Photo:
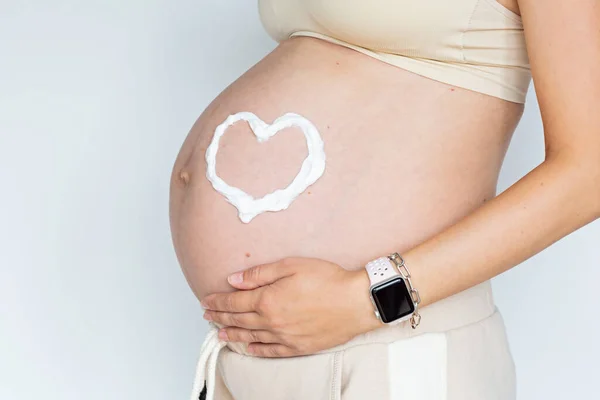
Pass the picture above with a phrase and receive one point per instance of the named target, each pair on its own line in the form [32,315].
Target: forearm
[547,204]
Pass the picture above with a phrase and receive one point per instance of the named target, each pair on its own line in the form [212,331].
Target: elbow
[593,180]
[582,179]
[587,194]
[596,191]
[589,178]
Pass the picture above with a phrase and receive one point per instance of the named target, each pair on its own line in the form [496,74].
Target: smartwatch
[391,291]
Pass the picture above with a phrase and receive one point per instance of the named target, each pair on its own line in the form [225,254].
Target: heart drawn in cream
[312,167]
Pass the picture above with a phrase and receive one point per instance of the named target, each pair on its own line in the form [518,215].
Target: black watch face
[393,300]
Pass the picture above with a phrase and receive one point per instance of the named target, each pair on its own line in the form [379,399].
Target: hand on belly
[296,306]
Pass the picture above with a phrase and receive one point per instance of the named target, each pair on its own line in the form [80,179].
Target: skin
[418,156]
[298,305]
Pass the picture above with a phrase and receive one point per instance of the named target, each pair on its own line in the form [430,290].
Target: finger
[261,275]
[270,350]
[232,334]
[241,301]
[248,320]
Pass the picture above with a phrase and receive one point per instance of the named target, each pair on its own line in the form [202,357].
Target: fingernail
[207,316]
[236,278]
[223,335]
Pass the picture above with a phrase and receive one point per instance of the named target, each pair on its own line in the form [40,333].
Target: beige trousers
[459,352]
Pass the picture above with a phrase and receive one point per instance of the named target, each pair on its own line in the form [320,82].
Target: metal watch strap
[398,261]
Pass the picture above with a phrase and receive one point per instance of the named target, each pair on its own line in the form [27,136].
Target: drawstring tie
[209,353]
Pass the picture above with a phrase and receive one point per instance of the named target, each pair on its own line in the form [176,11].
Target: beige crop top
[473,44]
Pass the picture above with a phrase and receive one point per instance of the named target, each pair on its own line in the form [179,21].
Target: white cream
[312,167]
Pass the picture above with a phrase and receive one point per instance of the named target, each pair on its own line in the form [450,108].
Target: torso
[406,157]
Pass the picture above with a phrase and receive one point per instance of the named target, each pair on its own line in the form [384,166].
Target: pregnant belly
[405,157]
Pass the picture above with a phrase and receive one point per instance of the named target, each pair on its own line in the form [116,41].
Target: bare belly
[406,157]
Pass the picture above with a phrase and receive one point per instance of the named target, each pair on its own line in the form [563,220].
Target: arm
[298,306]
[557,197]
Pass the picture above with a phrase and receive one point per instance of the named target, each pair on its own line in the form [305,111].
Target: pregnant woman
[387,125]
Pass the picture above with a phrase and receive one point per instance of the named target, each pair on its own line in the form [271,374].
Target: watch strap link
[400,265]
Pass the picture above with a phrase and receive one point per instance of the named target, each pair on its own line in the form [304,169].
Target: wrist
[416,273]
[366,320]
[392,290]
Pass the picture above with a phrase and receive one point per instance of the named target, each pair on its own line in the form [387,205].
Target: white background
[95,99]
